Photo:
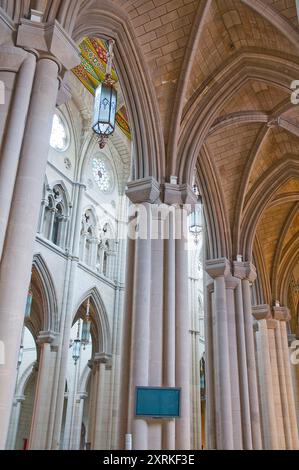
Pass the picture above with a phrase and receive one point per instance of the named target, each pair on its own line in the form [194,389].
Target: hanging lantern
[86,327]
[195,226]
[21,354]
[77,346]
[28,304]
[105,104]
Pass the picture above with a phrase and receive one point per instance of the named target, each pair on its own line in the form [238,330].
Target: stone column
[56,52]
[247,273]
[210,425]
[100,434]
[262,313]
[12,142]
[77,421]
[42,215]
[169,325]
[147,261]
[218,270]
[183,340]
[44,386]
[284,370]
[14,422]
[242,361]
[231,284]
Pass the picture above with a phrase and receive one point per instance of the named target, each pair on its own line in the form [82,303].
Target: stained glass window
[59,137]
[102,174]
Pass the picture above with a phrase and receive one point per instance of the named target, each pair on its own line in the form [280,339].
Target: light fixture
[77,345]
[195,226]
[105,104]
[28,304]
[86,326]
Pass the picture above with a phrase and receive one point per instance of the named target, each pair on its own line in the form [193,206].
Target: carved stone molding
[261,312]
[281,313]
[244,270]
[217,267]
[143,190]
[49,40]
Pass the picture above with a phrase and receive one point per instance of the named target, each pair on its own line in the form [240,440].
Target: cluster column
[246,272]
[57,55]
[44,387]
[219,269]
[156,345]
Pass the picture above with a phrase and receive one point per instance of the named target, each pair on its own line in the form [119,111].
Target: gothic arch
[49,300]
[102,328]
[200,112]
[259,198]
[107,21]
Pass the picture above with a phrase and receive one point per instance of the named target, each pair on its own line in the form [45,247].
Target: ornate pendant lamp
[196,217]
[28,304]
[105,104]
[86,326]
[77,345]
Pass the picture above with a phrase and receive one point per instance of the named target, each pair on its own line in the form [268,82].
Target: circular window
[103,175]
[59,136]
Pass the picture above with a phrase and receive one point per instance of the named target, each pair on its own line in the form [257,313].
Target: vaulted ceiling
[218,74]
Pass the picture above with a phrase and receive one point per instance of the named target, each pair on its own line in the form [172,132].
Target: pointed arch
[260,196]
[49,298]
[103,331]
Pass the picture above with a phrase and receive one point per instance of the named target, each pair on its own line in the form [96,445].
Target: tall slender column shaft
[23,220]
[12,142]
[182,343]
[44,386]
[219,269]
[243,376]
[261,314]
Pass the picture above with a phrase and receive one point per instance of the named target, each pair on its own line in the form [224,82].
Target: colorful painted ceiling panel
[91,72]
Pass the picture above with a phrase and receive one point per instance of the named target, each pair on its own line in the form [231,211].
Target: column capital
[271,324]
[19,399]
[46,337]
[231,282]
[261,312]
[178,194]
[143,190]
[281,313]
[244,270]
[217,267]
[82,395]
[49,40]
[102,358]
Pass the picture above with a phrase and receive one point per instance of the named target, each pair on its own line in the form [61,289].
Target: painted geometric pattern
[91,72]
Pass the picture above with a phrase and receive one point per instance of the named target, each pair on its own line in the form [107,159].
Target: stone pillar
[262,313]
[77,421]
[231,284]
[12,142]
[14,422]
[182,343]
[247,273]
[100,434]
[282,314]
[219,269]
[169,326]
[242,361]
[210,425]
[44,386]
[148,262]
[56,53]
